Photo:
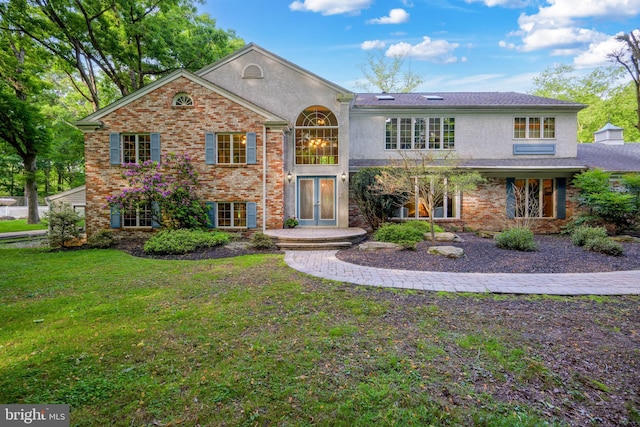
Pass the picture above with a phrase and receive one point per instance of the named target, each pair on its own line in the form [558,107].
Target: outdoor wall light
[289,177]
[343,177]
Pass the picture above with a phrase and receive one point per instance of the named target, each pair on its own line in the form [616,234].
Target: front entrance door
[317,200]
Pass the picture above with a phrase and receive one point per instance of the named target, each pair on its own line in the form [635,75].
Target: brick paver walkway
[324,264]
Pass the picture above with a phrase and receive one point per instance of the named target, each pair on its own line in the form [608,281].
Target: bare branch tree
[629,58]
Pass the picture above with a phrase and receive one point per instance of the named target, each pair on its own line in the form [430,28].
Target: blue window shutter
[115,217]
[155,213]
[252,157]
[252,215]
[210,148]
[155,147]
[561,195]
[114,148]
[511,198]
[211,213]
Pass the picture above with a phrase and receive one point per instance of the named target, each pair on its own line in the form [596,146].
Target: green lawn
[247,341]
[20,225]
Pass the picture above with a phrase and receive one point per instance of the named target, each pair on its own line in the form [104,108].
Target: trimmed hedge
[517,239]
[581,235]
[409,231]
[182,241]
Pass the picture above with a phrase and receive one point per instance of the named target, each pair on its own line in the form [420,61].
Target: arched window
[182,100]
[317,137]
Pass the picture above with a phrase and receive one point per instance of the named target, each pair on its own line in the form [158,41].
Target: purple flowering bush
[171,187]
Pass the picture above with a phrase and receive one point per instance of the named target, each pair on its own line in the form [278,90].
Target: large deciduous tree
[129,42]
[21,125]
[628,57]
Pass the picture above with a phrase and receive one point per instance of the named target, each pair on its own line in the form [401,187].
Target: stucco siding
[478,135]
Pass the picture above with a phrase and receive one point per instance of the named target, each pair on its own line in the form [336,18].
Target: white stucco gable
[274,83]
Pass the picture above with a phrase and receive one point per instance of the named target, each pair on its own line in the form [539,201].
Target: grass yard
[13,225]
[247,341]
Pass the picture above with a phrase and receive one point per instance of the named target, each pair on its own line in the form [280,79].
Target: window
[140,217]
[231,147]
[413,133]
[534,198]
[136,148]
[534,127]
[232,214]
[447,205]
[316,137]
[182,100]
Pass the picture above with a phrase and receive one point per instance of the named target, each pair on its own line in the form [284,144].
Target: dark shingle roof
[612,158]
[459,100]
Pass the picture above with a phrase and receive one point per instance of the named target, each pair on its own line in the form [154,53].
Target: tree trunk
[31,190]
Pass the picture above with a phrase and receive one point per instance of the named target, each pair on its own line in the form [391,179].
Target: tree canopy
[628,57]
[386,74]
[128,42]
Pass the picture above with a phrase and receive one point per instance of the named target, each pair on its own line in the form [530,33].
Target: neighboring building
[272,140]
[76,198]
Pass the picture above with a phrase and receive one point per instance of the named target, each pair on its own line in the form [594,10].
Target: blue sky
[454,45]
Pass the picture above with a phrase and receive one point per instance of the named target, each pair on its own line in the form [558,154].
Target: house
[76,198]
[272,140]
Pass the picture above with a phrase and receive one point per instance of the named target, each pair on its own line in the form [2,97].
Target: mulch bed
[556,254]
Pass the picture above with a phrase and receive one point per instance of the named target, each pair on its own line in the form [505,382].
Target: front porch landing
[316,238]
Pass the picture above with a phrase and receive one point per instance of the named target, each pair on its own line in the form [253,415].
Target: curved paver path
[324,264]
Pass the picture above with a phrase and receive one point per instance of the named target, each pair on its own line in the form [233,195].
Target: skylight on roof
[385,97]
[433,97]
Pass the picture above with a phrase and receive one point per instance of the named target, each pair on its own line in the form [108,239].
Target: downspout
[264,178]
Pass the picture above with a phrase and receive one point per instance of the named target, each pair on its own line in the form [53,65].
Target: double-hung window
[137,217]
[534,127]
[232,214]
[134,148]
[420,133]
[230,148]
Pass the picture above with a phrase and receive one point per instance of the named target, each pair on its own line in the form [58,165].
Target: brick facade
[182,129]
[485,209]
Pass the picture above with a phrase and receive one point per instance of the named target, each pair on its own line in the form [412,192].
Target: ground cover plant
[247,341]
[15,225]
[407,231]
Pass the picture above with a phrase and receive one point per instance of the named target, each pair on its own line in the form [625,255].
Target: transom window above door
[316,137]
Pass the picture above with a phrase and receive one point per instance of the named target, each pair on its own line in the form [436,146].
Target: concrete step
[313,246]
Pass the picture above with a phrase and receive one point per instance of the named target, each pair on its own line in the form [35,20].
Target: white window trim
[233,135]
[413,134]
[527,136]
[227,227]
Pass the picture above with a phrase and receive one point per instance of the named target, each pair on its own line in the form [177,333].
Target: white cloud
[503,3]
[596,55]
[330,7]
[396,16]
[439,51]
[557,27]
[373,44]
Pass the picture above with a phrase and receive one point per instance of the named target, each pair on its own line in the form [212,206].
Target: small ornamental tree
[169,187]
[65,224]
[431,178]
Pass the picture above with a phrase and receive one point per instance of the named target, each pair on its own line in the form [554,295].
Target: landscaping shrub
[407,245]
[374,206]
[412,231]
[604,245]
[261,241]
[65,224]
[103,239]
[581,235]
[181,241]
[517,238]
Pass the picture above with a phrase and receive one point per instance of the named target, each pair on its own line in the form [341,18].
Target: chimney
[609,135]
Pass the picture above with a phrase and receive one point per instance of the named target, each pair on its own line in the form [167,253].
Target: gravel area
[556,254]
